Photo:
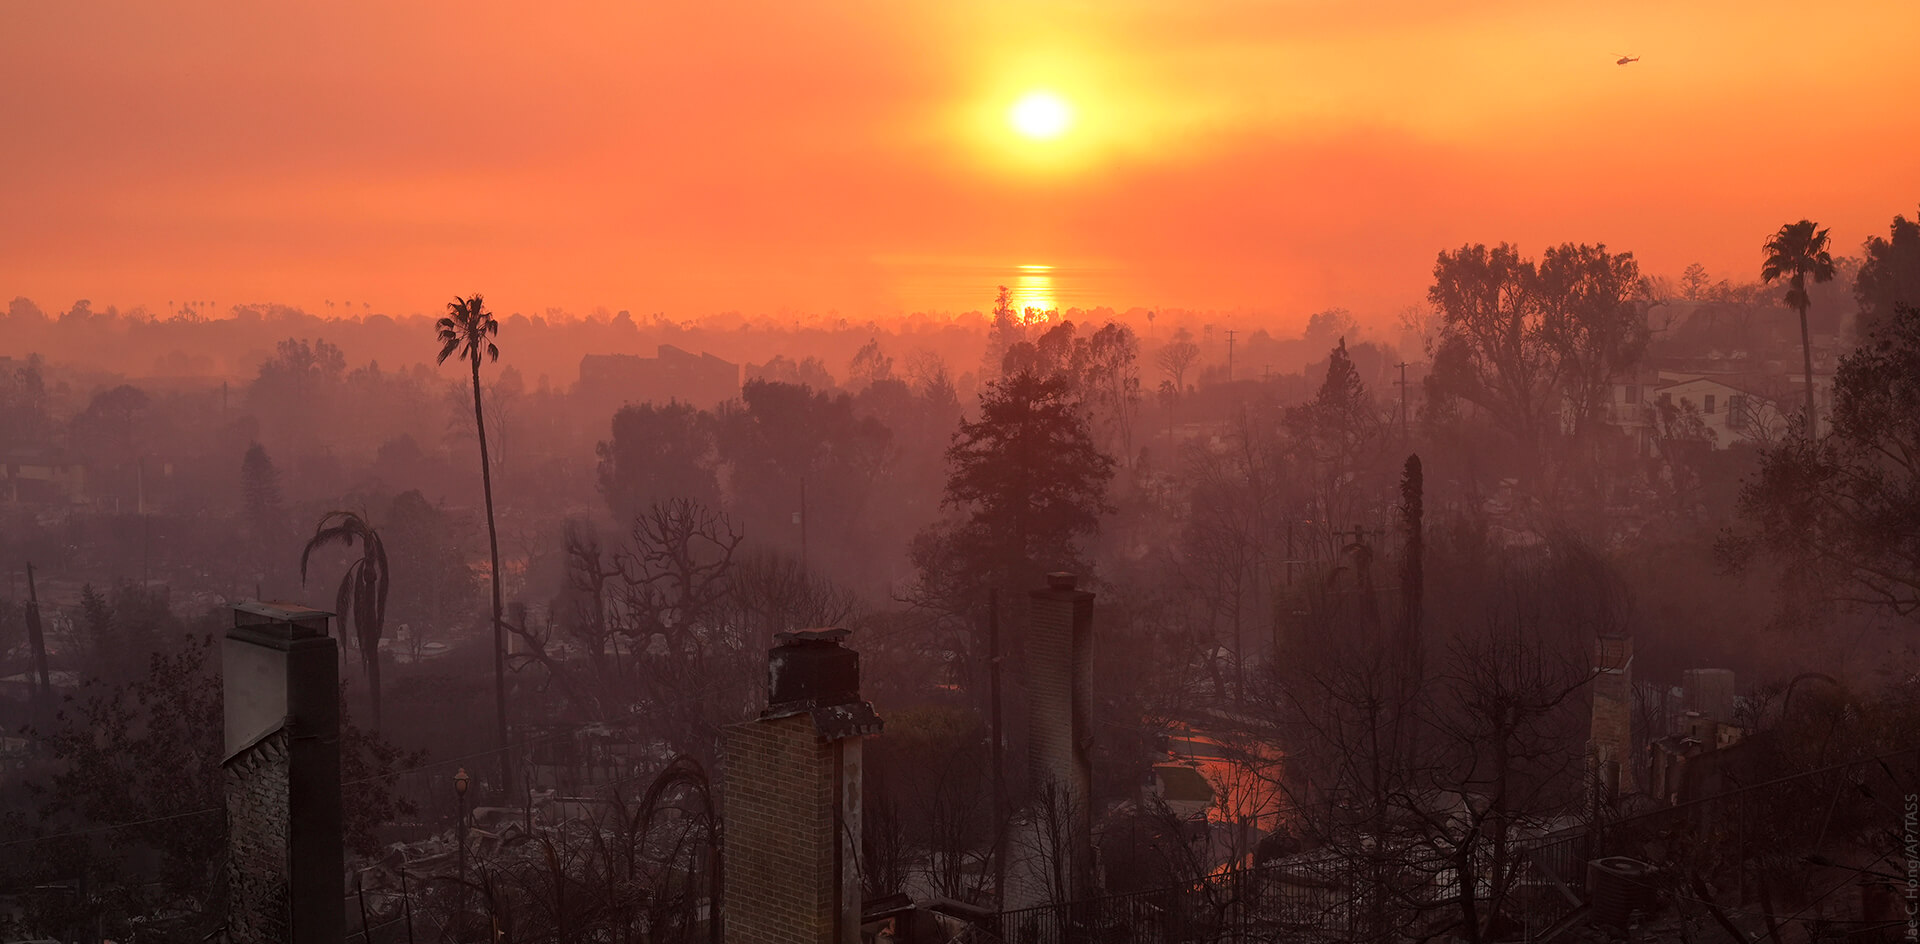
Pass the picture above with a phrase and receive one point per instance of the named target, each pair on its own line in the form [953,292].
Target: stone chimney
[792,802]
[1060,725]
[1610,745]
[1710,692]
[285,858]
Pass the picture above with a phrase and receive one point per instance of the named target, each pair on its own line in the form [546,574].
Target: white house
[1728,407]
[1730,413]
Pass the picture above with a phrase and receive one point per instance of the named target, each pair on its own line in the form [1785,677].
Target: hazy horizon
[1273,160]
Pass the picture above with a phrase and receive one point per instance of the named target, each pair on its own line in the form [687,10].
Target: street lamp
[460,781]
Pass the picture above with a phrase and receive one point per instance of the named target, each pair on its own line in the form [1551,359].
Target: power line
[113,827]
[454,760]
[1402,384]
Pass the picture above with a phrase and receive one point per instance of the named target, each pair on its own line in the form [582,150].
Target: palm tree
[469,329]
[1797,251]
[362,600]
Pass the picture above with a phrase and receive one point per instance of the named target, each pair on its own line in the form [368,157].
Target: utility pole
[1293,559]
[1282,623]
[36,637]
[1362,550]
[998,760]
[803,523]
[146,527]
[1239,660]
[1402,384]
[1229,355]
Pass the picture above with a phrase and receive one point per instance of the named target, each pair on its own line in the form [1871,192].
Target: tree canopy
[1530,342]
[1030,482]
[658,452]
[779,436]
[1796,253]
[1890,275]
[1844,510]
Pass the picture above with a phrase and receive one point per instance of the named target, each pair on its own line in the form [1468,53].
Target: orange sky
[1277,156]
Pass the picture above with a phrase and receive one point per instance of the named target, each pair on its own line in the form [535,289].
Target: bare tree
[776,593]
[1503,725]
[658,627]
[1349,718]
[1177,357]
[1416,789]
[1047,836]
[643,867]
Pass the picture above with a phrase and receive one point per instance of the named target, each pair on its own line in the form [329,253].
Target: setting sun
[1041,115]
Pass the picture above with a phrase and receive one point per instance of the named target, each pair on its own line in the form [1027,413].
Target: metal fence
[1321,900]
[1269,903]
[1297,901]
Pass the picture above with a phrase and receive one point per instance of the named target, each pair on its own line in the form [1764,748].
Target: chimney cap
[1061,580]
[299,620]
[826,635]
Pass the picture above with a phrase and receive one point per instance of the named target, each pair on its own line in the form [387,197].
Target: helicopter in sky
[1626,59]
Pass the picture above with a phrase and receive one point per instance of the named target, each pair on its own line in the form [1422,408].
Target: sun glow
[1041,116]
[1033,295]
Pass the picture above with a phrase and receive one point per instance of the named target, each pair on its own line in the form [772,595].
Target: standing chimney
[793,798]
[1059,705]
[1611,742]
[285,860]
[1710,692]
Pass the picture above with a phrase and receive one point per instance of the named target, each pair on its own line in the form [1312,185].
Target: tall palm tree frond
[350,528]
[467,328]
[1796,251]
[361,600]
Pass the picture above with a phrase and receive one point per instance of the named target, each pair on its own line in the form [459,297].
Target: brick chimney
[1610,745]
[1060,727]
[285,859]
[792,802]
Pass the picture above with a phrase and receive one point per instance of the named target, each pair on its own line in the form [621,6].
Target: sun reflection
[1033,294]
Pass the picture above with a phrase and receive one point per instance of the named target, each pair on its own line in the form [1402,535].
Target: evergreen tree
[1030,483]
[870,365]
[260,490]
[1890,275]
[1842,513]
[1007,329]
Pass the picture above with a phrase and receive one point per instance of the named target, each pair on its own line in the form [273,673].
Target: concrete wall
[1611,740]
[1710,692]
[1059,713]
